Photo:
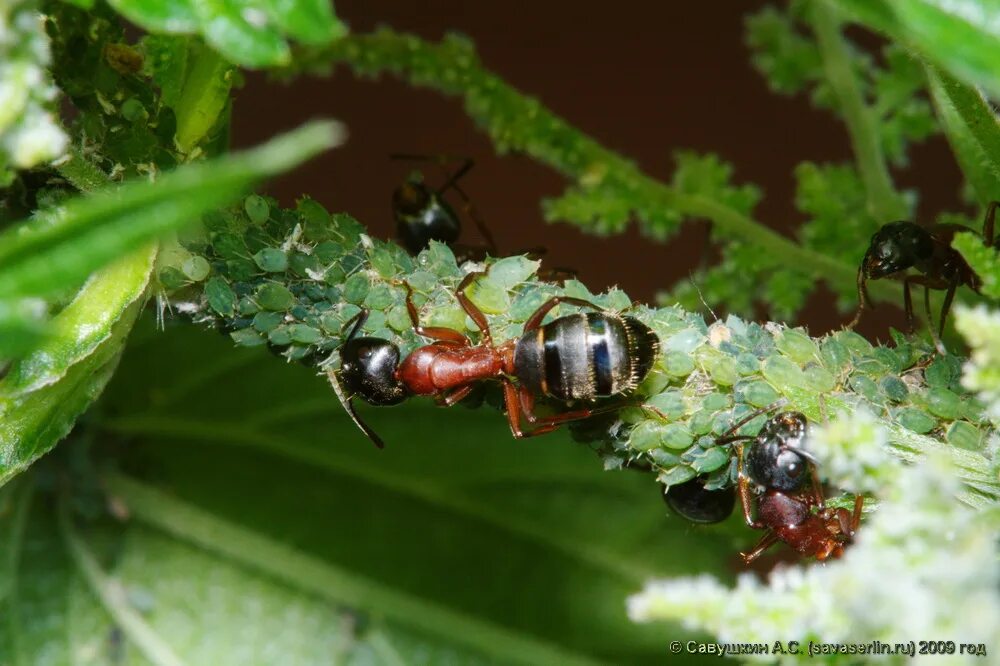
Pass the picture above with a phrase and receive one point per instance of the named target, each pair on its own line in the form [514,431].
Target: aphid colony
[578,359]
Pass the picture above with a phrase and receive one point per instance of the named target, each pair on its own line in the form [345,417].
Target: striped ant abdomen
[585,356]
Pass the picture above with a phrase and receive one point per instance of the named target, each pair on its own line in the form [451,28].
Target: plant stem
[284,563]
[516,122]
[884,203]
[205,93]
[112,596]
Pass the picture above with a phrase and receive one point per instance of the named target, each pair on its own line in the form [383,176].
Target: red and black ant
[581,356]
[899,246]
[776,462]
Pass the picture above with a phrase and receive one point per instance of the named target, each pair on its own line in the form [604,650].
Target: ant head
[776,459]
[368,369]
[692,501]
[896,247]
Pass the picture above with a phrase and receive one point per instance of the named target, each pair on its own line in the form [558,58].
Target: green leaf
[962,35]
[83,325]
[972,130]
[251,34]
[170,16]
[42,259]
[30,425]
[242,32]
[309,21]
[252,475]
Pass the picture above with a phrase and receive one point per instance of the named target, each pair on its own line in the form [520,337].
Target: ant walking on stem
[577,357]
[899,246]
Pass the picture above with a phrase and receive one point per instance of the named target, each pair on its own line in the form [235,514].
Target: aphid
[578,357]
[692,501]
[776,462]
[423,215]
[899,246]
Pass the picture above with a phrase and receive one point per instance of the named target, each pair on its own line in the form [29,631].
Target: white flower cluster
[923,566]
[981,328]
[854,450]
[29,132]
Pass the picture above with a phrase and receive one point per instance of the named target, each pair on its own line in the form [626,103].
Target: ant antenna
[347,401]
[701,297]
[349,408]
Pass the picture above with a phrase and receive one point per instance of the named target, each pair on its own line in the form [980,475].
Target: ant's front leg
[441,334]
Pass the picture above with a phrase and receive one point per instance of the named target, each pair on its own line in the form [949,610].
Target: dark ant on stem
[899,246]
[578,357]
[776,468]
[423,215]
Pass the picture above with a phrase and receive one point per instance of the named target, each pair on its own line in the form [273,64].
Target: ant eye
[791,464]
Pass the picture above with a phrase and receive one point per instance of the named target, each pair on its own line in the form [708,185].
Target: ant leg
[470,308]
[859,504]
[744,488]
[817,489]
[471,211]
[991,213]
[455,396]
[448,335]
[946,306]
[908,306]
[727,436]
[864,300]
[510,399]
[765,542]
[535,319]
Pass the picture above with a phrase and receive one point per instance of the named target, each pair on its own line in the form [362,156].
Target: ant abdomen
[585,356]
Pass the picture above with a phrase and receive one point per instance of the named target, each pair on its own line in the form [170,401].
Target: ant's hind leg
[536,318]
[765,542]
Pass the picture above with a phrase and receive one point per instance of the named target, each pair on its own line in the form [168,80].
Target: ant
[582,356]
[691,500]
[422,214]
[776,461]
[898,246]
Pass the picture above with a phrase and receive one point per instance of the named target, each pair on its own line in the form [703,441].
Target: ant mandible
[898,246]
[582,357]
[776,461]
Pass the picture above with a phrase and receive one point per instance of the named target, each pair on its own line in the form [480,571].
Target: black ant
[423,215]
[691,500]
[898,246]
[776,461]
[582,356]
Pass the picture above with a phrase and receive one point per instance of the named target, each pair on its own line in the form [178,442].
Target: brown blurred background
[643,78]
